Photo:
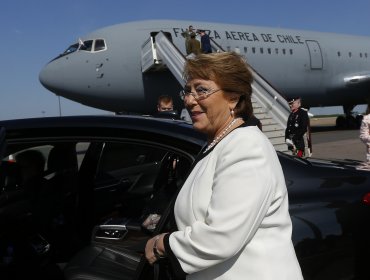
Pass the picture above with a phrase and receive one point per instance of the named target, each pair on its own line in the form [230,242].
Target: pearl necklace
[221,135]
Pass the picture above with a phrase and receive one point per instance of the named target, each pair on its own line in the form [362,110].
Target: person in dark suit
[205,42]
[165,103]
[165,108]
[297,128]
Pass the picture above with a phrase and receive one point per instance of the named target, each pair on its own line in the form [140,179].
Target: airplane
[103,69]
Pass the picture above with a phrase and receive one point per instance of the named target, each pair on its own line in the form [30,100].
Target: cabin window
[291,51]
[277,51]
[245,49]
[366,55]
[253,50]
[99,45]
[269,51]
[228,48]
[350,54]
[283,51]
[261,50]
[338,54]
[360,54]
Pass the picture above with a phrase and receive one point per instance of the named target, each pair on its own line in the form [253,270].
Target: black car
[103,177]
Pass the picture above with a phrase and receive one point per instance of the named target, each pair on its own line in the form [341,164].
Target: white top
[232,214]
[365,135]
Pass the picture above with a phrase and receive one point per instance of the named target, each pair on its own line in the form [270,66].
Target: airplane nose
[47,78]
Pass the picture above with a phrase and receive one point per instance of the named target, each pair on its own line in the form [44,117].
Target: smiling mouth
[196,113]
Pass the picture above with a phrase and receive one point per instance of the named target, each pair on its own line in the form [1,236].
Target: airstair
[269,106]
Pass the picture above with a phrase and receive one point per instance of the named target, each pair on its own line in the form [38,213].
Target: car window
[55,156]
[23,163]
[129,175]
[117,156]
[81,149]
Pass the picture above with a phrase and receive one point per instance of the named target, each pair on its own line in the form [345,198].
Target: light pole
[60,107]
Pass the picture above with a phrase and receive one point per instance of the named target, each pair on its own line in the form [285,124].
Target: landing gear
[348,121]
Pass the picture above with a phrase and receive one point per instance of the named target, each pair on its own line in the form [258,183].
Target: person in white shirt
[365,132]
[232,212]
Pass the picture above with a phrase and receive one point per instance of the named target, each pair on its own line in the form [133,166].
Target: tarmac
[331,143]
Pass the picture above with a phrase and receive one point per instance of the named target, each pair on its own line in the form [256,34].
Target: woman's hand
[154,248]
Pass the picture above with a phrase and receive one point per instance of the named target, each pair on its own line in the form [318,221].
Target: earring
[232,112]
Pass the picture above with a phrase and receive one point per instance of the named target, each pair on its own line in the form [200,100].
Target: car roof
[176,132]
[98,124]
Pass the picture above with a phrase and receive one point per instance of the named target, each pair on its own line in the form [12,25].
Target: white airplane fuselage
[325,69]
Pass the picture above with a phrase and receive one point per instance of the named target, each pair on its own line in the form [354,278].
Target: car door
[120,176]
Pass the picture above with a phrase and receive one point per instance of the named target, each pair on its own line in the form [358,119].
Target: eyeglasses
[199,94]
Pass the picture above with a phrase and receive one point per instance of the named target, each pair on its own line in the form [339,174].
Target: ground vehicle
[103,176]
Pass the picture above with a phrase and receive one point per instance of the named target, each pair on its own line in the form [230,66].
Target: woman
[232,211]
[365,132]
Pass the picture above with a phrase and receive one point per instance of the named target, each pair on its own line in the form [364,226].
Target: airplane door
[315,54]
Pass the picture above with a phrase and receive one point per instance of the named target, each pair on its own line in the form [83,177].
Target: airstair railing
[171,56]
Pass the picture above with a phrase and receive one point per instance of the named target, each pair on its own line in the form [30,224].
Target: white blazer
[232,214]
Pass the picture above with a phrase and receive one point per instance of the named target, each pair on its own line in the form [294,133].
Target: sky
[34,32]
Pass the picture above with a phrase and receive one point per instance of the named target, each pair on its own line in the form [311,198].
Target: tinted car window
[117,156]
[13,171]
[129,174]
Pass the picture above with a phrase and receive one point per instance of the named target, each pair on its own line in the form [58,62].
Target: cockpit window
[86,45]
[71,49]
[99,45]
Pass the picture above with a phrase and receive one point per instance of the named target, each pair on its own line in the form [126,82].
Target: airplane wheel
[359,120]
[351,122]
[340,122]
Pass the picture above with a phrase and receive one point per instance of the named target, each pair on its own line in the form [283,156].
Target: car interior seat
[58,200]
[61,173]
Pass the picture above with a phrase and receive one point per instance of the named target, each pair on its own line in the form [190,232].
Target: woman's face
[209,114]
